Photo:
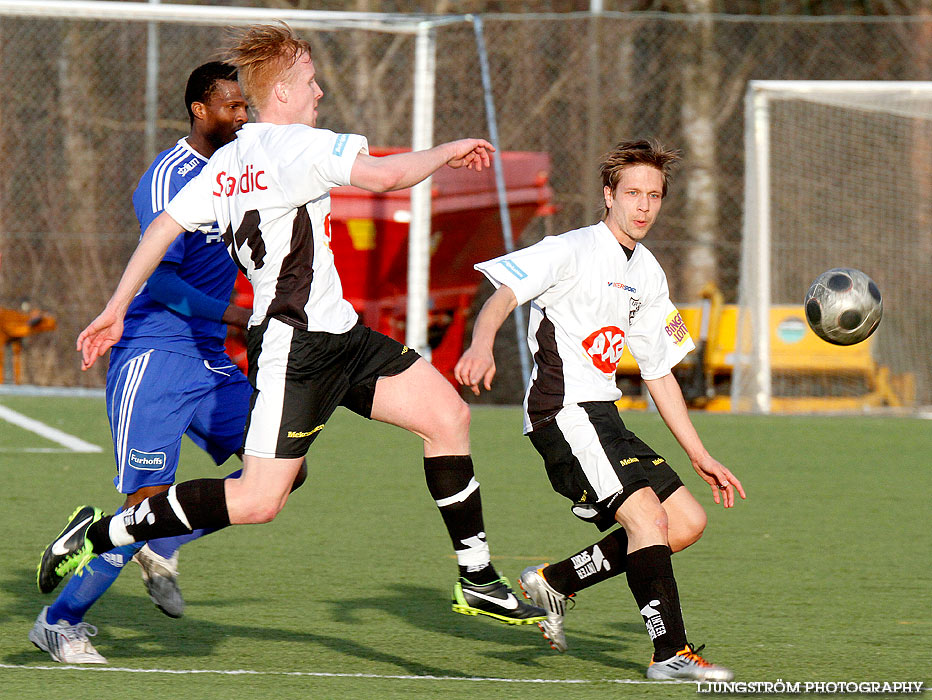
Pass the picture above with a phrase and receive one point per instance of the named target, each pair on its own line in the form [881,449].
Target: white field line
[49,450]
[73,443]
[322,674]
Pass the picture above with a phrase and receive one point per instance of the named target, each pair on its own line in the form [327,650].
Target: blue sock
[84,589]
[167,546]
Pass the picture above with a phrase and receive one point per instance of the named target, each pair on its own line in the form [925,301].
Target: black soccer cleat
[496,600]
[70,551]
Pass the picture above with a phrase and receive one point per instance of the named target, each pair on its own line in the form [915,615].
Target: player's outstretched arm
[401,170]
[106,329]
[478,363]
[668,398]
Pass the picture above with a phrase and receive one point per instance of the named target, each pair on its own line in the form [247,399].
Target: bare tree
[701,68]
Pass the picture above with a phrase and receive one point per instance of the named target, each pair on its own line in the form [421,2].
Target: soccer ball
[843,306]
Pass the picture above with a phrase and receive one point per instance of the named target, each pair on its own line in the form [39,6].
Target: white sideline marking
[51,450]
[322,674]
[47,431]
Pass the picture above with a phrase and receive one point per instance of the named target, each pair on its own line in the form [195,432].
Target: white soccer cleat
[161,578]
[537,590]
[67,644]
[687,665]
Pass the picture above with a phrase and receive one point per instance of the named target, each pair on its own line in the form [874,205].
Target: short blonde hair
[262,54]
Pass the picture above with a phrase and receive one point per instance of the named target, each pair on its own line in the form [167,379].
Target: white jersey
[589,300]
[269,191]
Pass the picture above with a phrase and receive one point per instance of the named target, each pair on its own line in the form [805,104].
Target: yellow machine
[809,375]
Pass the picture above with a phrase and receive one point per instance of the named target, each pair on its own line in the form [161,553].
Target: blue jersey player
[169,375]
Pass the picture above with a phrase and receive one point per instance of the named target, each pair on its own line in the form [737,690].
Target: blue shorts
[154,397]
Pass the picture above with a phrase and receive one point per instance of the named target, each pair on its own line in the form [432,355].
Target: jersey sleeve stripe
[161,178]
[157,174]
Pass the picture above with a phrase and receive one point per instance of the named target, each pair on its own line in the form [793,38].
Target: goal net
[837,174]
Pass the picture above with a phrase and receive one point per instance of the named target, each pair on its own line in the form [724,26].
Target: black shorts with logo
[596,462]
[299,378]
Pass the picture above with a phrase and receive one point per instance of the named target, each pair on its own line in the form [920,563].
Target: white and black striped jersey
[269,191]
[589,300]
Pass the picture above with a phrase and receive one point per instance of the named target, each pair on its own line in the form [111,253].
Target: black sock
[650,578]
[594,564]
[188,506]
[453,486]
[99,536]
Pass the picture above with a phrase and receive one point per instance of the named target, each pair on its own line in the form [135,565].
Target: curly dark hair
[203,81]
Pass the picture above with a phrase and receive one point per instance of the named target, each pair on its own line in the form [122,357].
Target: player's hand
[471,153]
[476,365]
[724,484]
[99,336]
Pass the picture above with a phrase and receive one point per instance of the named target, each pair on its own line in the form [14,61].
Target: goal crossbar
[215,15]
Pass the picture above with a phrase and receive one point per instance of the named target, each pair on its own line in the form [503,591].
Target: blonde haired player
[308,353]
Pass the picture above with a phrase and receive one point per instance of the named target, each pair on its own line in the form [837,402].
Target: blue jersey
[200,258]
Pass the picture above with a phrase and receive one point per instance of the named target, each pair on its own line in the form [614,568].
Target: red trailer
[369,239]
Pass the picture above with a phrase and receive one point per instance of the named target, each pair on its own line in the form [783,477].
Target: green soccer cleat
[496,600]
[70,551]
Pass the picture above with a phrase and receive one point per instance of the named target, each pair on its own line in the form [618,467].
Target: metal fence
[74,144]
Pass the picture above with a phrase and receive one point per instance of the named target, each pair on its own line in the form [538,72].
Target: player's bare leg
[644,519]
[262,491]
[422,401]
[686,519]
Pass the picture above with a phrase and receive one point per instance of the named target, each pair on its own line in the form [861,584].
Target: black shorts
[300,377]
[596,462]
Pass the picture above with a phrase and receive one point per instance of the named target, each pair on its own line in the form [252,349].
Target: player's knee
[451,422]
[460,416]
[687,531]
[652,528]
[697,526]
[661,522]
[258,509]
[263,513]
[644,517]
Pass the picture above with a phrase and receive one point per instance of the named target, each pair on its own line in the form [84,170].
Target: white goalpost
[837,174]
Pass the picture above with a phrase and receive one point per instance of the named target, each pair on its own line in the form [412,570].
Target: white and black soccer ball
[843,306]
